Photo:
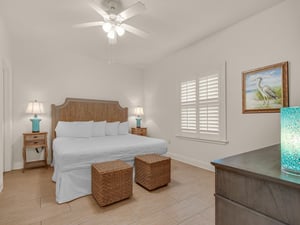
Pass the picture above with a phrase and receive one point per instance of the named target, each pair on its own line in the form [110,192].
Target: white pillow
[74,129]
[123,128]
[99,129]
[112,128]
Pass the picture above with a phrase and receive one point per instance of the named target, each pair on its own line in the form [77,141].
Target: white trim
[219,142]
[7,91]
[1,127]
[191,161]
[17,165]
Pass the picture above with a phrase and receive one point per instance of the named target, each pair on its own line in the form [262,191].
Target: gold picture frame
[265,89]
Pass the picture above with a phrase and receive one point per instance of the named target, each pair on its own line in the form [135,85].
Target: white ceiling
[172,25]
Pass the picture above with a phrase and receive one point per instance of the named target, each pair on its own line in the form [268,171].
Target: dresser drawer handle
[35,136]
[36,142]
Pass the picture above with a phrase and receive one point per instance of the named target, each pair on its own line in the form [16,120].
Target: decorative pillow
[99,129]
[74,129]
[123,128]
[112,128]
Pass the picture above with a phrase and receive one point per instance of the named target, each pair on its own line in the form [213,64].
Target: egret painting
[265,89]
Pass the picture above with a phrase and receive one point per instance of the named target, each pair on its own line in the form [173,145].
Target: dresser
[251,190]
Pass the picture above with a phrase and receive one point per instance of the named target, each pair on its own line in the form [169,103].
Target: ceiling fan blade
[89,24]
[132,11]
[99,10]
[134,30]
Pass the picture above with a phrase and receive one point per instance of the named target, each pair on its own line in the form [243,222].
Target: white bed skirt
[74,184]
[73,159]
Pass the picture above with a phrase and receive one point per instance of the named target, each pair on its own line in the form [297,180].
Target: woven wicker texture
[111,182]
[152,171]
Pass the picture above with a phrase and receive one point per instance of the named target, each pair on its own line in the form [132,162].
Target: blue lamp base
[35,124]
[138,122]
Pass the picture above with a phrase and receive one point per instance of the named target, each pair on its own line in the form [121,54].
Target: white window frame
[217,100]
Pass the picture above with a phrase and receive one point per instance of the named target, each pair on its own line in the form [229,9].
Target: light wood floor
[29,199]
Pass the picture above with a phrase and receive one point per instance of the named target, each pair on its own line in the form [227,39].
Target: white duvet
[72,159]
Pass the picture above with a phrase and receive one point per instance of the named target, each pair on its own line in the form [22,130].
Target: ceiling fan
[114,18]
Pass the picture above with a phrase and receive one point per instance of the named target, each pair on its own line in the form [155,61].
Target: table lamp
[138,112]
[290,140]
[35,108]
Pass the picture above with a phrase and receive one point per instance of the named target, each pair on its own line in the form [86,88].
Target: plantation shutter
[188,106]
[209,105]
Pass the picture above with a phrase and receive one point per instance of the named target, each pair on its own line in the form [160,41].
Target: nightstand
[139,131]
[37,142]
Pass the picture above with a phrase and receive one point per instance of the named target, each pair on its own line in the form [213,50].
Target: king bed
[88,131]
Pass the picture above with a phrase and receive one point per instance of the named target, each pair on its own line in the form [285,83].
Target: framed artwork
[265,89]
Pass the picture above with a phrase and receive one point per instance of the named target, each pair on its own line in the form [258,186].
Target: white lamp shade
[35,107]
[138,111]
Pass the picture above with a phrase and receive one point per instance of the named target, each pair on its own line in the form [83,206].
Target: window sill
[219,142]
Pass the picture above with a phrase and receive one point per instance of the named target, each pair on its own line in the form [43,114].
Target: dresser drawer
[231,213]
[266,197]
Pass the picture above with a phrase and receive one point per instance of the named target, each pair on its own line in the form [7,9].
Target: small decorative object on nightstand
[35,108]
[138,111]
[35,141]
[139,131]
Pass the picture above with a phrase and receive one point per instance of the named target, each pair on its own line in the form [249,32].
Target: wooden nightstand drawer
[139,131]
[34,137]
[34,142]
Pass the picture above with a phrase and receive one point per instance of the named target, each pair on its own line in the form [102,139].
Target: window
[188,107]
[209,108]
[202,109]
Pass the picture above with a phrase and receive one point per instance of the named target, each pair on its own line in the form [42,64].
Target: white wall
[49,74]
[264,39]
[4,61]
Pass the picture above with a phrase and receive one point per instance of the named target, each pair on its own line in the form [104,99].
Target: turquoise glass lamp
[138,113]
[290,140]
[35,108]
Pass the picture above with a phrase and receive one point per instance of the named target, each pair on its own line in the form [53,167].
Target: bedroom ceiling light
[138,112]
[35,108]
[290,140]
[114,16]
[113,30]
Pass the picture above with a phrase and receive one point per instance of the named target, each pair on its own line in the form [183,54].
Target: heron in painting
[266,91]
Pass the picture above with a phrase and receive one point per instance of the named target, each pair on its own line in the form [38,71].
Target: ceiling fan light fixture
[107,27]
[120,30]
[111,34]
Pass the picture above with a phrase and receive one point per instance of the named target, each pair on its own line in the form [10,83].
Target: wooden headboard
[76,109]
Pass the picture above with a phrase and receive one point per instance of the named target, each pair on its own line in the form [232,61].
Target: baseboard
[18,165]
[191,161]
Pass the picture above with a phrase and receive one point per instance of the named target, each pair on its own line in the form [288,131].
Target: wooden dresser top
[262,163]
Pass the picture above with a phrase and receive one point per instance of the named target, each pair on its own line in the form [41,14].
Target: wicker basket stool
[152,171]
[111,181]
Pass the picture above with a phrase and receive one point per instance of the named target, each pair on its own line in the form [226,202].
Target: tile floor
[29,199]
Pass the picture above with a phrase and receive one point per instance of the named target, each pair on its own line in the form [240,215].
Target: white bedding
[73,158]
